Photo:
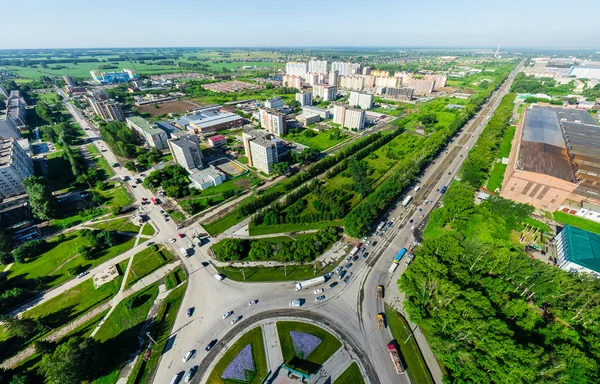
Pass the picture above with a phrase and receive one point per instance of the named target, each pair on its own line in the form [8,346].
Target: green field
[576,221]
[122,224]
[496,177]
[260,274]
[506,144]
[253,337]
[222,224]
[328,346]
[175,277]
[351,375]
[256,230]
[321,141]
[147,261]
[148,230]
[143,371]
[415,364]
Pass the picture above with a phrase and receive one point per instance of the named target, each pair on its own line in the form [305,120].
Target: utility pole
[150,337]
[284,270]
[315,270]
[243,274]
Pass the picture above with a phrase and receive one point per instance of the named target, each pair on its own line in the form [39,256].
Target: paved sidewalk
[274,356]
[333,367]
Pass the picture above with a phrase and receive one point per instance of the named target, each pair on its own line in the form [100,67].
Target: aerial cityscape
[285,202]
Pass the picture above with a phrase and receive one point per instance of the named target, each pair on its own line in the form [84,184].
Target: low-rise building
[217,141]
[273,121]
[578,250]
[155,137]
[304,98]
[210,120]
[186,151]
[362,100]
[274,103]
[261,150]
[15,166]
[348,117]
[323,113]
[308,118]
[206,178]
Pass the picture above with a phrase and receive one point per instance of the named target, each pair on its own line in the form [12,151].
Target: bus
[406,201]
[399,255]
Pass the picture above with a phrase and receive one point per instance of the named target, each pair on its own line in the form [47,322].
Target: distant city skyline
[265,23]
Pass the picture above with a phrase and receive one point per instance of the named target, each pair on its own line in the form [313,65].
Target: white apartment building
[292,81]
[261,150]
[296,69]
[314,78]
[273,121]
[333,78]
[363,100]
[325,92]
[348,117]
[344,69]
[274,103]
[186,151]
[15,166]
[318,66]
[356,83]
[304,98]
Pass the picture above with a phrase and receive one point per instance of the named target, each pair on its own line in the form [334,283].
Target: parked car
[320,298]
[190,374]
[252,302]
[364,256]
[189,312]
[181,235]
[348,266]
[333,284]
[317,291]
[341,275]
[188,355]
[233,321]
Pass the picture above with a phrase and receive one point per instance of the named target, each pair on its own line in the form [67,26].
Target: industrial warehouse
[555,159]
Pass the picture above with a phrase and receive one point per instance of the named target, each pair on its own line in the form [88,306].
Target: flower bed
[241,367]
[304,343]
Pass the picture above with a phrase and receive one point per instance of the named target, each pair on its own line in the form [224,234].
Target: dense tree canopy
[120,138]
[41,200]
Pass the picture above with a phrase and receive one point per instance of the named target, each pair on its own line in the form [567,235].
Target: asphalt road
[348,308]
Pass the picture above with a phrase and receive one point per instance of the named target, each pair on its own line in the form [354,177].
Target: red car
[144,198]
[180,235]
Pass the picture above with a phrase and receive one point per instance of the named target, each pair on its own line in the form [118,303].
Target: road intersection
[349,309]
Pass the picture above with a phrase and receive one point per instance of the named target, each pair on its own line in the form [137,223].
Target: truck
[380,226]
[380,291]
[183,251]
[380,321]
[393,268]
[443,189]
[310,283]
[355,249]
[406,201]
[393,350]
[399,255]
[410,258]
[295,303]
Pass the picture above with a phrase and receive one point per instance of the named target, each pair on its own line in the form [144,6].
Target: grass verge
[329,343]
[253,337]
[148,230]
[576,221]
[351,375]
[415,364]
[257,274]
[147,261]
[496,177]
[283,228]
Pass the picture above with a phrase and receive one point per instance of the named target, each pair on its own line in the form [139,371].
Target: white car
[233,321]
[188,356]
[172,240]
[251,303]
[368,242]
[317,291]
[219,277]
[227,314]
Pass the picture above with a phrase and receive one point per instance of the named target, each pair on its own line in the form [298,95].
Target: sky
[258,23]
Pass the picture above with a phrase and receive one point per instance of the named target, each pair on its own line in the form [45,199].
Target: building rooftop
[8,129]
[167,127]
[217,138]
[6,151]
[202,176]
[583,246]
[186,141]
[543,148]
[206,119]
[144,125]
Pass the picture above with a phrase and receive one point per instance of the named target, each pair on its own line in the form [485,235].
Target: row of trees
[300,250]
[122,141]
[173,179]
[492,313]
[59,133]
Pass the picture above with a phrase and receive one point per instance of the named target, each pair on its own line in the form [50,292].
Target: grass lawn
[243,160]
[121,330]
[329,343]
[117,196]
[291,227]
[146,262]
[101,163]
[253,337]
[496,177]
[143,371]
[294,273]
[148,230]
[122,224]
[79,218]
[416,367]
[351,375]
[506,144]
[321,141]
[73,303]
[50,98]
[577,221]
[222,224]
[175,277]
[177,216]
